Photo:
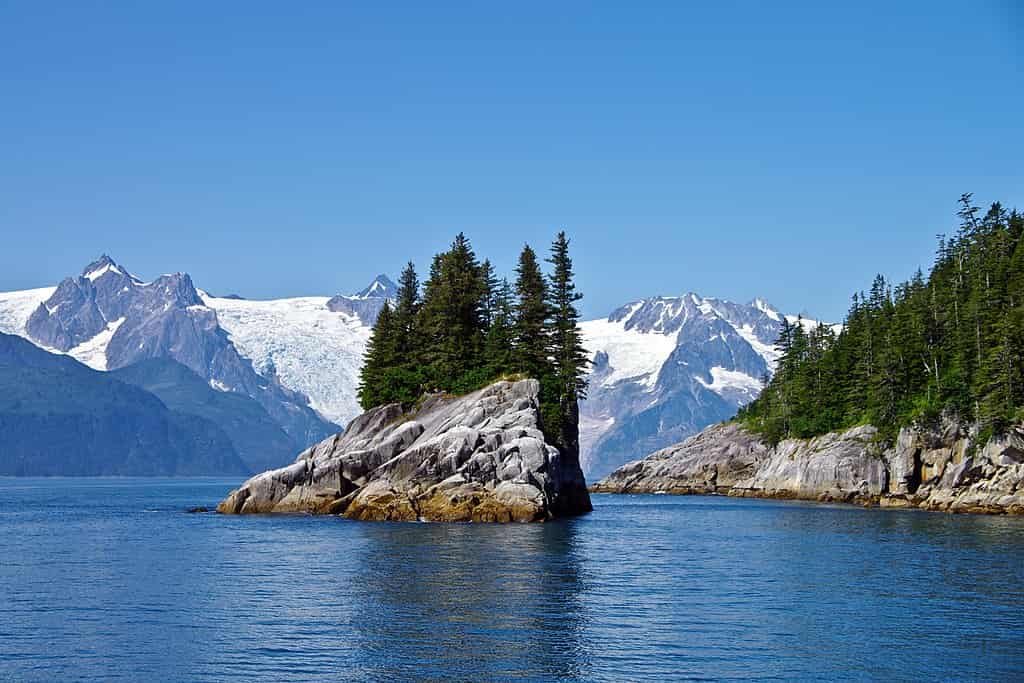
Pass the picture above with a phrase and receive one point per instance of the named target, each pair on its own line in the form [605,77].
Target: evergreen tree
[407,304]
[491,284]
[532,349]
[569,356]
[451,318]
[380,356]
[499,353]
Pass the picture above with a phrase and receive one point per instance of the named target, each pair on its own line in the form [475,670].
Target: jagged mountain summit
[666,367]
[110,319]
[306,347]
[367,304]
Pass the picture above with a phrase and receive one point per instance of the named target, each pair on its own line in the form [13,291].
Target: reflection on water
[109,580]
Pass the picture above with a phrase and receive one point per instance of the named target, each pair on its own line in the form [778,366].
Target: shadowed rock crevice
[480,457]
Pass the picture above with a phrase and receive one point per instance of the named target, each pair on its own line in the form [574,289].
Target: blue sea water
[109,579]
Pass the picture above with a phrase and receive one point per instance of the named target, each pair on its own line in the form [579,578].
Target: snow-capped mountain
[309,348]
[367,304]
[666,367]
[110,319]
[296,358]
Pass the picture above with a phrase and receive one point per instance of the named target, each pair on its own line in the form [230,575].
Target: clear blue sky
[782,150]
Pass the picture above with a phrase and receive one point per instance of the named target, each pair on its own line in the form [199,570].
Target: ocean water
[109,579]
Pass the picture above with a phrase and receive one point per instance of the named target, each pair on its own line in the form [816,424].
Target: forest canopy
[951,343]
[465,328]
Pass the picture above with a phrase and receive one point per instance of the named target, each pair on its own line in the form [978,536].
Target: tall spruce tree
[569,357]
[532,341]
[499,350]
[407,304]
[379,359]
[451,318]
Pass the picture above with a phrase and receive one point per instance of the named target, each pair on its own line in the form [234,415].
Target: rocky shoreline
[475,458]
[942,469]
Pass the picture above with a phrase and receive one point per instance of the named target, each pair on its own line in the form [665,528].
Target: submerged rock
[480,457]
[936,469]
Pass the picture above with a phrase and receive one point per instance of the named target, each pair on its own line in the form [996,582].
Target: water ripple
[109,580]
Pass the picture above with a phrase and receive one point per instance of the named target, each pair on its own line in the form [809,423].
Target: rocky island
[475,458]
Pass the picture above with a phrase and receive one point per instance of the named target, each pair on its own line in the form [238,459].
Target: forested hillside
[467,328]
[950,343]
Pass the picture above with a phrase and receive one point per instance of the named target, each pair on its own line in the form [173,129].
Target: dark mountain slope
[258,439]
[58,417]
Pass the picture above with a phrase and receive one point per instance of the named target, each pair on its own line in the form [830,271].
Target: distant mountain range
[279,375]
[666,367]
[285,370]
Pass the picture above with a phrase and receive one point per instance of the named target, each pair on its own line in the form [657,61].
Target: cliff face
[942,469]
[479,457]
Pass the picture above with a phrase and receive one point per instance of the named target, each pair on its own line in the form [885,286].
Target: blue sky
[738,149]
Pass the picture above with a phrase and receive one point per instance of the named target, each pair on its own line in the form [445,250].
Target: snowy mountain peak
[100,267]
[666,367]
[105,265]
[766,308]
[367,304]
[382,287]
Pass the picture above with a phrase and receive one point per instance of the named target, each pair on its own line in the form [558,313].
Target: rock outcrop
[480,457]
[945,468]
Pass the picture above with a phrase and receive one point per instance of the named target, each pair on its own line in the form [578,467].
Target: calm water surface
[109,580]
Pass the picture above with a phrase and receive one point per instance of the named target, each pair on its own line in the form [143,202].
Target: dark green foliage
[532,333]
[468,329]
[451,321]
[499,351]
[380,357]
[952,343]
[569,357]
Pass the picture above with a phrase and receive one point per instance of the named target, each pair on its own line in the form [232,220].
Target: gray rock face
[713,461]
[948,469]
[941,469]
[480,457]
[82,307]
[665,368]
[164,318]
[367,304]
[843,466]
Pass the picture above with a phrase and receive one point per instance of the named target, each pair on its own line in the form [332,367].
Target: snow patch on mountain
[94,351]
[312,349]
[17,307]
[632,354]
[769,352]
[103,270]
[732,384]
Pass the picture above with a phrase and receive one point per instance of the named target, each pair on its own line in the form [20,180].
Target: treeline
[465,328]
[949,344]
